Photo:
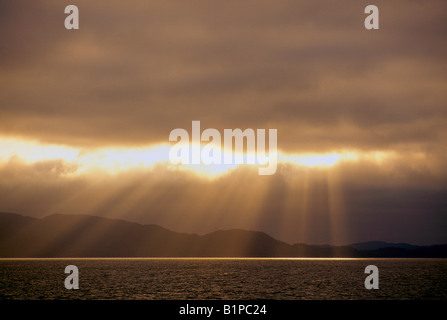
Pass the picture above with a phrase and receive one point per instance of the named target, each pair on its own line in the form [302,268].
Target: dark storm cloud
[134,71]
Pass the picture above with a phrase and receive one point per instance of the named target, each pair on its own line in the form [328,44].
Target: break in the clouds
[135,70]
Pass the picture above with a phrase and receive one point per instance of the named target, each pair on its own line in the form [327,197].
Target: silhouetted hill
[90,236]
[374,245]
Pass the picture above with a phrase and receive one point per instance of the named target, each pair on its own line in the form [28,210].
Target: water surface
[279,279]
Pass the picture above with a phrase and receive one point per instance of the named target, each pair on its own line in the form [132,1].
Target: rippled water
[232,279]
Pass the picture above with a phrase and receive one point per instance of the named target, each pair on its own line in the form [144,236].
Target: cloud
[135,71]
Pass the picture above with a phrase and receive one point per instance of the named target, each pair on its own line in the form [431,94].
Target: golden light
[316,160]
[33,152]
[119,159]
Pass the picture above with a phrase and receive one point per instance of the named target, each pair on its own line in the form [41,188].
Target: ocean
[226,279]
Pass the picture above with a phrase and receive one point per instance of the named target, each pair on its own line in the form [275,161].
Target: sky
[361,115]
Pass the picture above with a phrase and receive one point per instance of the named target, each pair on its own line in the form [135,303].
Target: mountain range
[61,235]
